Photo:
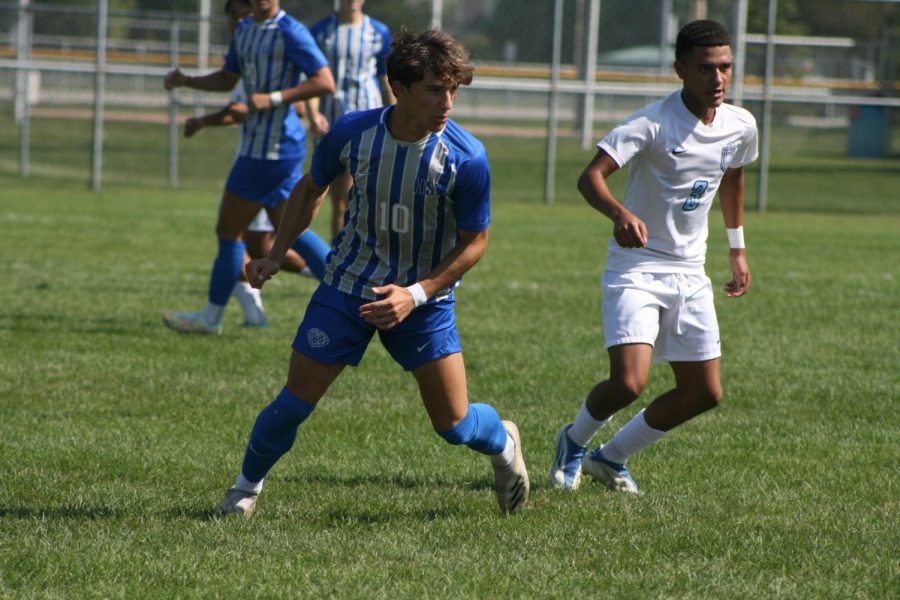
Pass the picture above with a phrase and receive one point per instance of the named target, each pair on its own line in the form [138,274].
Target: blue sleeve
[326,160]
[472,194]
[232,64]
[302,50]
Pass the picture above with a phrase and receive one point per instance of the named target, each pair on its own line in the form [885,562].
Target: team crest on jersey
[317,338]
[728,153]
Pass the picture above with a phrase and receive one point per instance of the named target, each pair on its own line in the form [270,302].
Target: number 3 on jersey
[393,218]
[697,192]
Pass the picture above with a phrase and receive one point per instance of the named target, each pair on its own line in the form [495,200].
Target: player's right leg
[330,337]
[275,430]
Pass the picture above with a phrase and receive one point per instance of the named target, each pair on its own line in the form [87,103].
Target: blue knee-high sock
[226,271]
[481,430]
[274,434]
[314,251]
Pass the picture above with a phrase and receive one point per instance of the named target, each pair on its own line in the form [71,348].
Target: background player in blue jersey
[268,54]
[418,220]
[355,45]
[259,234]
[657,300]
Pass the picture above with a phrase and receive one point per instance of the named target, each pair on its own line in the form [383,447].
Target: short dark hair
[412,53]
[700,34]
[228,3]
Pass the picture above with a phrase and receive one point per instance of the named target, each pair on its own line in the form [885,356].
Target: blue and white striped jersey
[271,56]
[407,201]
[356,54]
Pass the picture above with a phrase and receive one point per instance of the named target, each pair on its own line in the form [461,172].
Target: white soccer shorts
[673,312]
[261,223]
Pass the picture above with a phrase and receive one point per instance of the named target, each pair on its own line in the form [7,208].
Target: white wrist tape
[735,237]
[418,294]
[276,98]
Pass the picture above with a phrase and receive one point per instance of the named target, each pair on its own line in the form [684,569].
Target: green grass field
[120,436]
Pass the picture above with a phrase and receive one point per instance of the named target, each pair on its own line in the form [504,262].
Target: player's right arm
[232,114]
[217,81]
[628,230]
[299,212]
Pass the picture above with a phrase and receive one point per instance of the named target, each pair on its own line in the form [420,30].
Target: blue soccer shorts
[332,331]
[265,181]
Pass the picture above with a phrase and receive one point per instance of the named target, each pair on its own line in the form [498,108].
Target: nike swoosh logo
[423,346]
[677,151]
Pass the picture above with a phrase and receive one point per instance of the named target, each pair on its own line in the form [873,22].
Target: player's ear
[679,68]
[398,88]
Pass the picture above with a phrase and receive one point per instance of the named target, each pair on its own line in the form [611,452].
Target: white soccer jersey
[676,166]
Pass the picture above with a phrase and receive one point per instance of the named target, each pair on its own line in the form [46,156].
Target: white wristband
[276,99]
[418,294]
[735,237]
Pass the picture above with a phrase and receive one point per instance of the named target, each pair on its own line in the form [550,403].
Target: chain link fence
[98,71]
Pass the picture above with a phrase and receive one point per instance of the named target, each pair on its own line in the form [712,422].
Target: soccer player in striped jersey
[657,300]
[355,45]
[307,255]
[418,220]
[268,54]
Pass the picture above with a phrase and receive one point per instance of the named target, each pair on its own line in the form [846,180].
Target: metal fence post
[590,74]
[173,108]
[437,13]
[767,108]
[740,49]
[99,93]
[549,190]
[22,100]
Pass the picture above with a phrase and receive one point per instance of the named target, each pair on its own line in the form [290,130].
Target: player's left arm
[398,302]
[731,196]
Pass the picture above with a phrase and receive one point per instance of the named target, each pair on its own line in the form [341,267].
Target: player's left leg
[235,214]
[442,385]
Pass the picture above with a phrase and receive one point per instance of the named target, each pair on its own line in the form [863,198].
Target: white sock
[635,435]
[585,426]
[251,301]
[508,456]
[212,313]
[243,484]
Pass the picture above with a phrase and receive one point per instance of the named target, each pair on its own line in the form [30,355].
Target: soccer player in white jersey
[268,53]
[355,45]
[418,220]
[657,300]
[308,253]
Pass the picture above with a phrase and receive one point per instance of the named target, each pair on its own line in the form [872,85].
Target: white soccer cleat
[615,476]
[190,322]
[511,482]
[566,470]
[236,502]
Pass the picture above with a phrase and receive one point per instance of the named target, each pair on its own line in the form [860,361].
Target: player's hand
[387,312]
[259,102]
[629,231]
[192,126]
[318,124]
[260,271]
[238,111]
[740,274]
[174,79]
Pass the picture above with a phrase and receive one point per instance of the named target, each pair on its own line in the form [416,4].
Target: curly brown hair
[412,53]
